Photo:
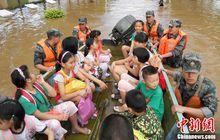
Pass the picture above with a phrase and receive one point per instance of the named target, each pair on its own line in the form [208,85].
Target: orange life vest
[194,101]
[169,44]
[152,32]
[51,56]
[81,35]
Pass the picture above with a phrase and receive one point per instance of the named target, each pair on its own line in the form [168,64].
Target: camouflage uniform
[207,92]
[147,124]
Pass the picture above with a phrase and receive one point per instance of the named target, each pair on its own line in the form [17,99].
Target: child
[143,118]
[151,90]
[140,58]
[23,127]
[116,127]
[97,68]
[71,44]
[139,26]
[66,76]
[103,55]
[121,66]
[32,94]
[118,67]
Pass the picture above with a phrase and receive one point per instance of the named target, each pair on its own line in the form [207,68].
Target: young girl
[103,55]
[71,44]
[66,75]
[139,26]
[23,127]
[90,54]
[32,94]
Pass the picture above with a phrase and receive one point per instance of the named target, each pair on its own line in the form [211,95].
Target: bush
[53,13]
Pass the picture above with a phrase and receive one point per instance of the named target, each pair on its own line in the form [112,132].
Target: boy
[143,118]
[122,66]
[139,59]
[152,91]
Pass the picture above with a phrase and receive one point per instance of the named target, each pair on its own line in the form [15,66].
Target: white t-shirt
[32,125]
[90,57]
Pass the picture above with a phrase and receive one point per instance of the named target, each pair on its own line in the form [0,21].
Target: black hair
[116,127]
[139,21]
[149,70]
[65,59]
[89,42]
[11,109]
[142,54]
[135,100]
[18,80]
[70,44]
[141,37]
[95,33]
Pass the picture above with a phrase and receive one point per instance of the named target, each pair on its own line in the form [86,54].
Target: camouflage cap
[54,32]
[191,62]
[175,22]
[82,20]
[149,13]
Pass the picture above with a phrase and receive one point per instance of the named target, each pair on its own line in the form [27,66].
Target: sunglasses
[148,16]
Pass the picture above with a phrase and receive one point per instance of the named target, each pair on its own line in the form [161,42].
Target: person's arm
[122,61]
[51,91]
[189,110]
[48,116]
[132,47]
[133,71]
[39,56]
[177,51]
[101,84]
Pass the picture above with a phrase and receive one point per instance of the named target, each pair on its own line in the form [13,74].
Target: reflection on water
[201,21]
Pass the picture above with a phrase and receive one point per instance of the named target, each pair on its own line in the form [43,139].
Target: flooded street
[201,21]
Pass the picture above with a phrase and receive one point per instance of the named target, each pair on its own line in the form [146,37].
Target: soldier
[172,44]
[196,94]
[153,28]
[47,52]
[81,31]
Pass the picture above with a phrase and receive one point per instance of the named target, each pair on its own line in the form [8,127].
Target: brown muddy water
[201,21]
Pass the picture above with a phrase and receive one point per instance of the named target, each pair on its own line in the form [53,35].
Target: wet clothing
[207,93]
[147,124]
[156,98]
[177,52]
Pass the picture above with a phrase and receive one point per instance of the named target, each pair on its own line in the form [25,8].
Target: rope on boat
[172,95]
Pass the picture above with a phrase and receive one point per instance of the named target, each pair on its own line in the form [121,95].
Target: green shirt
[147,124]
[156,98]
[42,104]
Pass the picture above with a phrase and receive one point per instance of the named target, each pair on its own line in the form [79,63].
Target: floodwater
[18,34]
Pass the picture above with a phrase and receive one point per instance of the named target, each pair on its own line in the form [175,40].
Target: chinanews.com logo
[197,127]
